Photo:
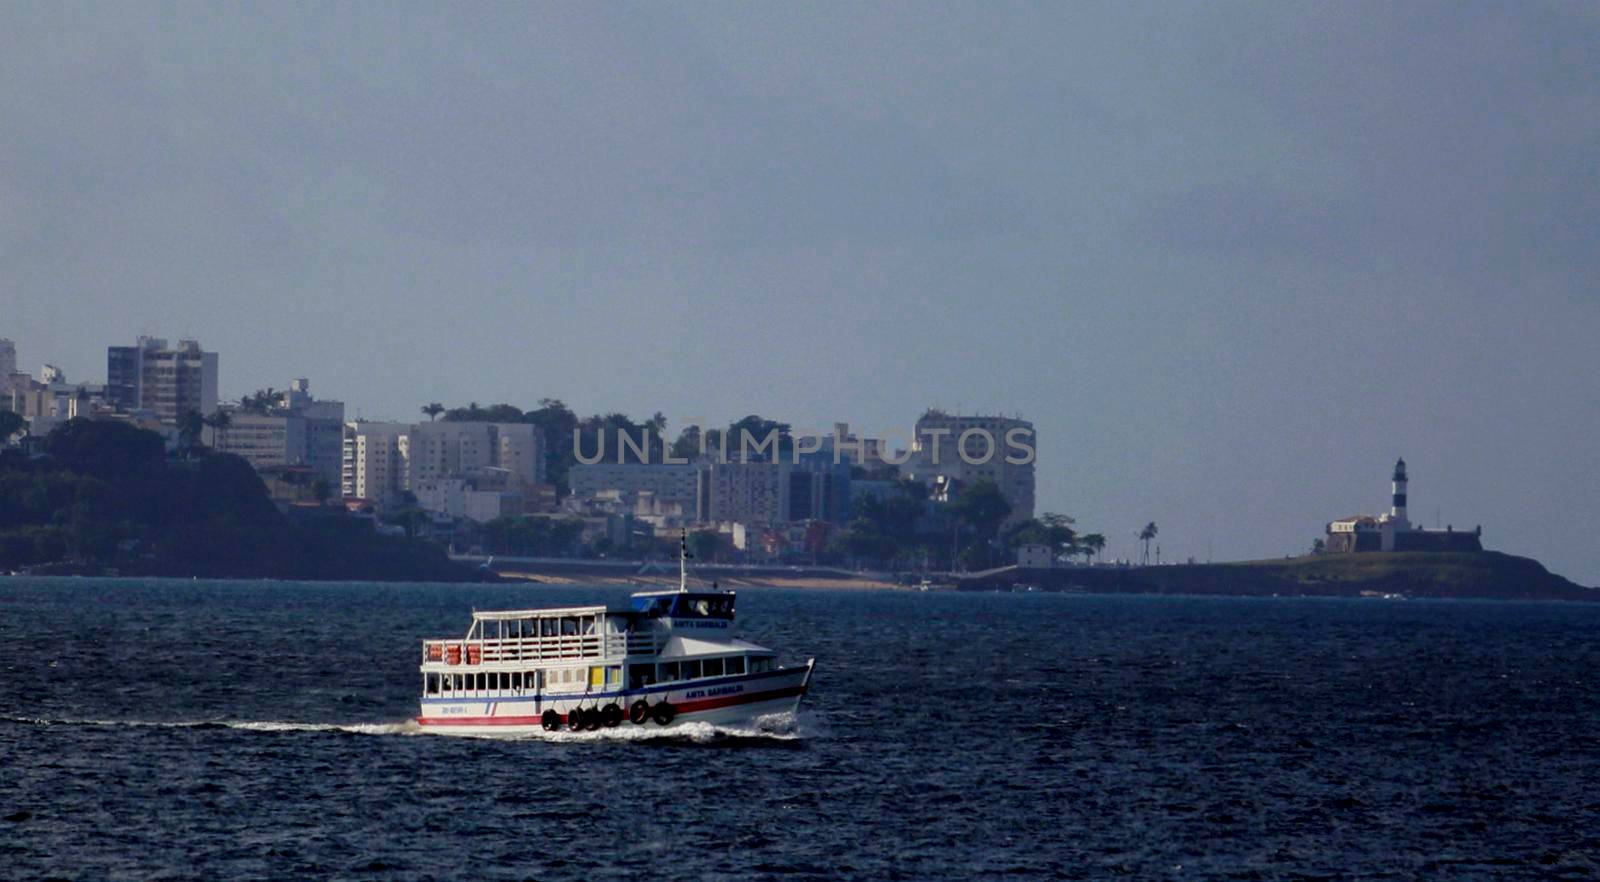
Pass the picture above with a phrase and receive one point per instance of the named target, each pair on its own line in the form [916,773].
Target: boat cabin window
[669,672]
[760,664]
[735,665]
[713,667]
[641,675]
[687,606]
[691,669]
[652,607]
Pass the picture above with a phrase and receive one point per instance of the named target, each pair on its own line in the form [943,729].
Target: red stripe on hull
[687,707]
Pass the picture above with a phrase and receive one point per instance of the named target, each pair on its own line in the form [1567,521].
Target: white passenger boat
[664,658]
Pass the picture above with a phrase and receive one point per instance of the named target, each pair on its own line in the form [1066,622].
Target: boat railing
[552,648]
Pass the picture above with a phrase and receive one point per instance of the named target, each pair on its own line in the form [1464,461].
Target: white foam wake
[408,727]
[774,727]
[771,727]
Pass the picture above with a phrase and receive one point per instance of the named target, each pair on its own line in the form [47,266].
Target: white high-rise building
[371,460]
[382,461]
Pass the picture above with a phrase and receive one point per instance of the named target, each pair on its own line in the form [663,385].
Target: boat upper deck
[582,632]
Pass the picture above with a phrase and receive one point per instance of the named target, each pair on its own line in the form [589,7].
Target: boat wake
[408,727]
[773,729]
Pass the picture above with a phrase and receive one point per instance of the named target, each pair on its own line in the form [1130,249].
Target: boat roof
[547,612]
[670,592]
[679,647]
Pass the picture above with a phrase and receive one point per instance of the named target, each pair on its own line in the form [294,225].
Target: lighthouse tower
[1397,512]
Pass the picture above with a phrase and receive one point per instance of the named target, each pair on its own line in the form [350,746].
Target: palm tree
[321,488]
[219,423]
[1149,532]
[262,401]
[433,409]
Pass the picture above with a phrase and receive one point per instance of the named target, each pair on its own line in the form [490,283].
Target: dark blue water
[240,730]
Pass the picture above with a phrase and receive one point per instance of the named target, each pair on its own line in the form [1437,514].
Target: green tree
[106,449]
[746,434]
[556,421]
[10,424]
[322,489]
[433,409]
[705,545]
[190,425]
[1091,544]
[687,444]
[981,508]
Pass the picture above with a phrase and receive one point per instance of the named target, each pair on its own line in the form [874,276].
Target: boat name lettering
[698,623]
[718,690]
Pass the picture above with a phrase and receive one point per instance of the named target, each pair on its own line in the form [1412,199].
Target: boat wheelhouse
[664,657]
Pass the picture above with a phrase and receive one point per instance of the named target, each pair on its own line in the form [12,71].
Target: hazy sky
[1231,259]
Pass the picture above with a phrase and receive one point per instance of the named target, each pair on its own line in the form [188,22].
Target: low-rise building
[1035,556]
[665,482]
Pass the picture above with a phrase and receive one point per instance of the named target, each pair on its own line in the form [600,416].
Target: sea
[262,730]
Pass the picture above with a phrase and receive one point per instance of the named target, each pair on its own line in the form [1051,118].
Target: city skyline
[1230,262]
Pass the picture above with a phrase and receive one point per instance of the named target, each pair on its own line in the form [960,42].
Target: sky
[1231,259]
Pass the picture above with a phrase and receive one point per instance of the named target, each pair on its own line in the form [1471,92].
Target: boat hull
[726,701]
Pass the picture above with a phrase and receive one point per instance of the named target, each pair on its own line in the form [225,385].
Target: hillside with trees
[104,496]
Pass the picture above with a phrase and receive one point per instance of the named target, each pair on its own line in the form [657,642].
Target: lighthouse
[1397,510]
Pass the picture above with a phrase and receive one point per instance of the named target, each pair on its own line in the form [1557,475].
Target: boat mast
[683,561]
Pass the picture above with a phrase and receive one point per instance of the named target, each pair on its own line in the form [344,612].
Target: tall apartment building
[370,462]
[746,492]
[953,450]
[8,357]
[168,382]
[382,461]
[298,431]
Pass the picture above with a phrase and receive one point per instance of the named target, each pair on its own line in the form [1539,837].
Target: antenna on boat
[683,561]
